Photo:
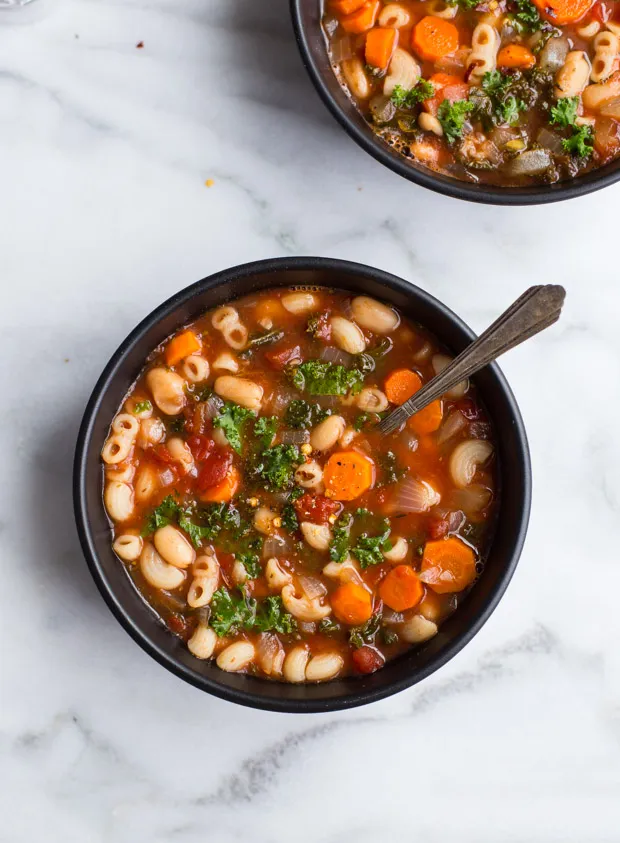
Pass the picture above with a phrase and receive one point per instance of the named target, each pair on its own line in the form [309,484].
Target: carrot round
[563,11]
[516,55]
[434,38]
[380,44]
[401,384]
[347,475]
[401,589]
[352,603]
[449,565]
[347,7]
[181,347]
[224,491]
[362,19]
[427,420]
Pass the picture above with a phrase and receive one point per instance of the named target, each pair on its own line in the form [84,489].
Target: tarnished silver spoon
[537,309]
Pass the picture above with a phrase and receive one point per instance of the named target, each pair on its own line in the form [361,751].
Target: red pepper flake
[140,45]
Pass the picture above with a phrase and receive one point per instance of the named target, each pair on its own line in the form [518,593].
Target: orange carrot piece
[181,347]
[434,38]
[516,55]
[380,44]
[453,91]
[347,7]
[352,603]
[401,589]
[224,491]
[427,420]
[449,565]
[401,384]
[270,309]
[361,20]
[563,11]
[347,475]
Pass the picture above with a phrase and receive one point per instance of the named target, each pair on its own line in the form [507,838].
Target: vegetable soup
[506,92]
[261,513]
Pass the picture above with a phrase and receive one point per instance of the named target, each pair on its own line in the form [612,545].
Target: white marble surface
[104,151]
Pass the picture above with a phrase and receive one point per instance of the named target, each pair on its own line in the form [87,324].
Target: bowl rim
[245,697]
[437,182]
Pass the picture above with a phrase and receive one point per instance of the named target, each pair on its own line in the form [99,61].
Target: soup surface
[506,92]
[261,513]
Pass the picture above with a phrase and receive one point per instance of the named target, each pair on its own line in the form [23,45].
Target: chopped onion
[280,400]
[466,458]
[166,477]
[307,627]
[213,404]
[331,354]
[414,495]
[342,49]
[471,500]
[410,440]
[276,546]
[453,424]
[390,616]
[382,108]
[532,162]
[270,653]
[550,140]
[611,108]
[294,437]
[311,586]
[423,353]
[502,135]
[553,54]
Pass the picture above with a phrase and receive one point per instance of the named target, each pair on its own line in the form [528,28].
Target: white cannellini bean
[152,432]
[394,16]
[372,400]
[317,536]
[439,363]
[167,389]
[180,453]
[466,458]
[347,437]
[239,573]
[173,547]
[399,550]
[203,641]
[128,547]
[236,656]
[118,499]
[403,70]
[304,608]
[147,483]
[356,77]
[324,666]
[239,391]
[417,629]
[226,362]
[299,302]
[327,433]
[275,575]
[264,519]
[224,317]
[309,475]
[236,336]
[158,573]
[294,667]
[195,369]
[347,335]
[573,76]
[373,315]
[347,571]
[428,122]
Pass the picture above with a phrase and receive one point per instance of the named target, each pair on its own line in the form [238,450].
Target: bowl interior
[307,23]
[126,602]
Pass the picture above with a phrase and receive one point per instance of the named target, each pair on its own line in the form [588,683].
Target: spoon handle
[537,309]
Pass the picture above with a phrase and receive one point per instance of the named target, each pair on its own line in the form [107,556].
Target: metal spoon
[537,309]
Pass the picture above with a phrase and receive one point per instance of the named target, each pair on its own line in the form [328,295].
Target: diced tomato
[439,526]
[214,469]
[281,355]
[178,624]
[316,508]
[226,562]
[447,87]
[200,446]
[469,408]
[367,659]
[602,12]
[162,454]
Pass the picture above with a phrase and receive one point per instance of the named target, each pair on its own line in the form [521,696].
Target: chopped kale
[290,522]
[328,625]
[318,378]
[524,15]
[276,466]
[271,616]
[265,339]
[299,414]
[389,636]
[265,429]
[230,613]
[161,516]
[142,406]
[452,117]
[231,420]
[369,549]
[390,468]
[365,634]
[580,143]
[339,545]
[360,421]
[251,563]
[403,98]
[564,113]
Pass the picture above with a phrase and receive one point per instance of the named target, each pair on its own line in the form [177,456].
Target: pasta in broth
[260,512]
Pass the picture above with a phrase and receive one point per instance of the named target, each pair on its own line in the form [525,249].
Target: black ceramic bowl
[307,23]
[141,622]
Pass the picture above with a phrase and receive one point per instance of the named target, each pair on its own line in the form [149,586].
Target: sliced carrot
[181,347]
[434,38]
[352,603]
[401,384]
[346,7]
[347,475]
[449,565]
[427,420]
[380,44]
[362,19]
[225,490]
[401,589]
[516,55]
[563,11]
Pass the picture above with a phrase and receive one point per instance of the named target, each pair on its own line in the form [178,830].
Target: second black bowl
[142,623]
